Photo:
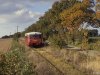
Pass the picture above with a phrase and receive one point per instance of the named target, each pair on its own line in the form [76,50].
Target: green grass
[94,38]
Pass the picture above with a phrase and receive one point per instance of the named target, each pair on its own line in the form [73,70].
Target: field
[5,44]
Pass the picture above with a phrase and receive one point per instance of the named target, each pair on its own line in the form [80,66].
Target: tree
[98,15]
[85,44]
[73,17]
[98,0]
[51,20]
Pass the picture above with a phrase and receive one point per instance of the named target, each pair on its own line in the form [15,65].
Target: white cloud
[35,14]
[2,20]
[29,13]
[25,15]
[21,12]
[43,0]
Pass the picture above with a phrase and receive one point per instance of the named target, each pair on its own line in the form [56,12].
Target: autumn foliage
[98,15]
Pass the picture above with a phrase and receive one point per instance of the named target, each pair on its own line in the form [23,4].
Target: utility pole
[17,29]
[17,34]
[10,34]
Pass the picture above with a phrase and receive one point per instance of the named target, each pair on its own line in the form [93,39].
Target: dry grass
[92,65]
[5,45]
[88,63]
[77,60]
[61,64]
[42,66]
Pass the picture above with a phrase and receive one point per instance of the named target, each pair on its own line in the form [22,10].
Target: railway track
[46,60]
[37,51]
[69,66]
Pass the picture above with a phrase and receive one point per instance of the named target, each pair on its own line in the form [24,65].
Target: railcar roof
[32,33]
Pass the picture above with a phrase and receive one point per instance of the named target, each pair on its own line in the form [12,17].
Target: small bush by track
[15,62]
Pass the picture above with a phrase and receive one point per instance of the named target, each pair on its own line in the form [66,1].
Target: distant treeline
[12,36]
[7,36]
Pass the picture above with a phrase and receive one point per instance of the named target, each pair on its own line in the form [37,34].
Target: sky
[21,13]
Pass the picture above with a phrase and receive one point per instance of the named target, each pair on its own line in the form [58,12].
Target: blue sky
[21,13]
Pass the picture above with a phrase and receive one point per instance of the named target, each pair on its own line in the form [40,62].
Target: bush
[57,41]
[95,46]
[15,62]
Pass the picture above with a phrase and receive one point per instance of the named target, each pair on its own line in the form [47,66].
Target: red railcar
[33,38]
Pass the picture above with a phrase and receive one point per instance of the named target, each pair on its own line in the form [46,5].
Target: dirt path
[5,44]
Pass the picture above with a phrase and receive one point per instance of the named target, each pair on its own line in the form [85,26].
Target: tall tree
[73,17]
[51,19]
[98,15]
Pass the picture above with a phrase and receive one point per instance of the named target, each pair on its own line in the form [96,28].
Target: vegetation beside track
[15,62]
[66,61]
[48,60]
[73,62]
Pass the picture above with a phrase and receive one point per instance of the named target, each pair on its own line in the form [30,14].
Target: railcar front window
[37,36]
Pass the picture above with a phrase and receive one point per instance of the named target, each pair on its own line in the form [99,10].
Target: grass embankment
[15,62]
[73,62]
[43,66]
[56,58]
